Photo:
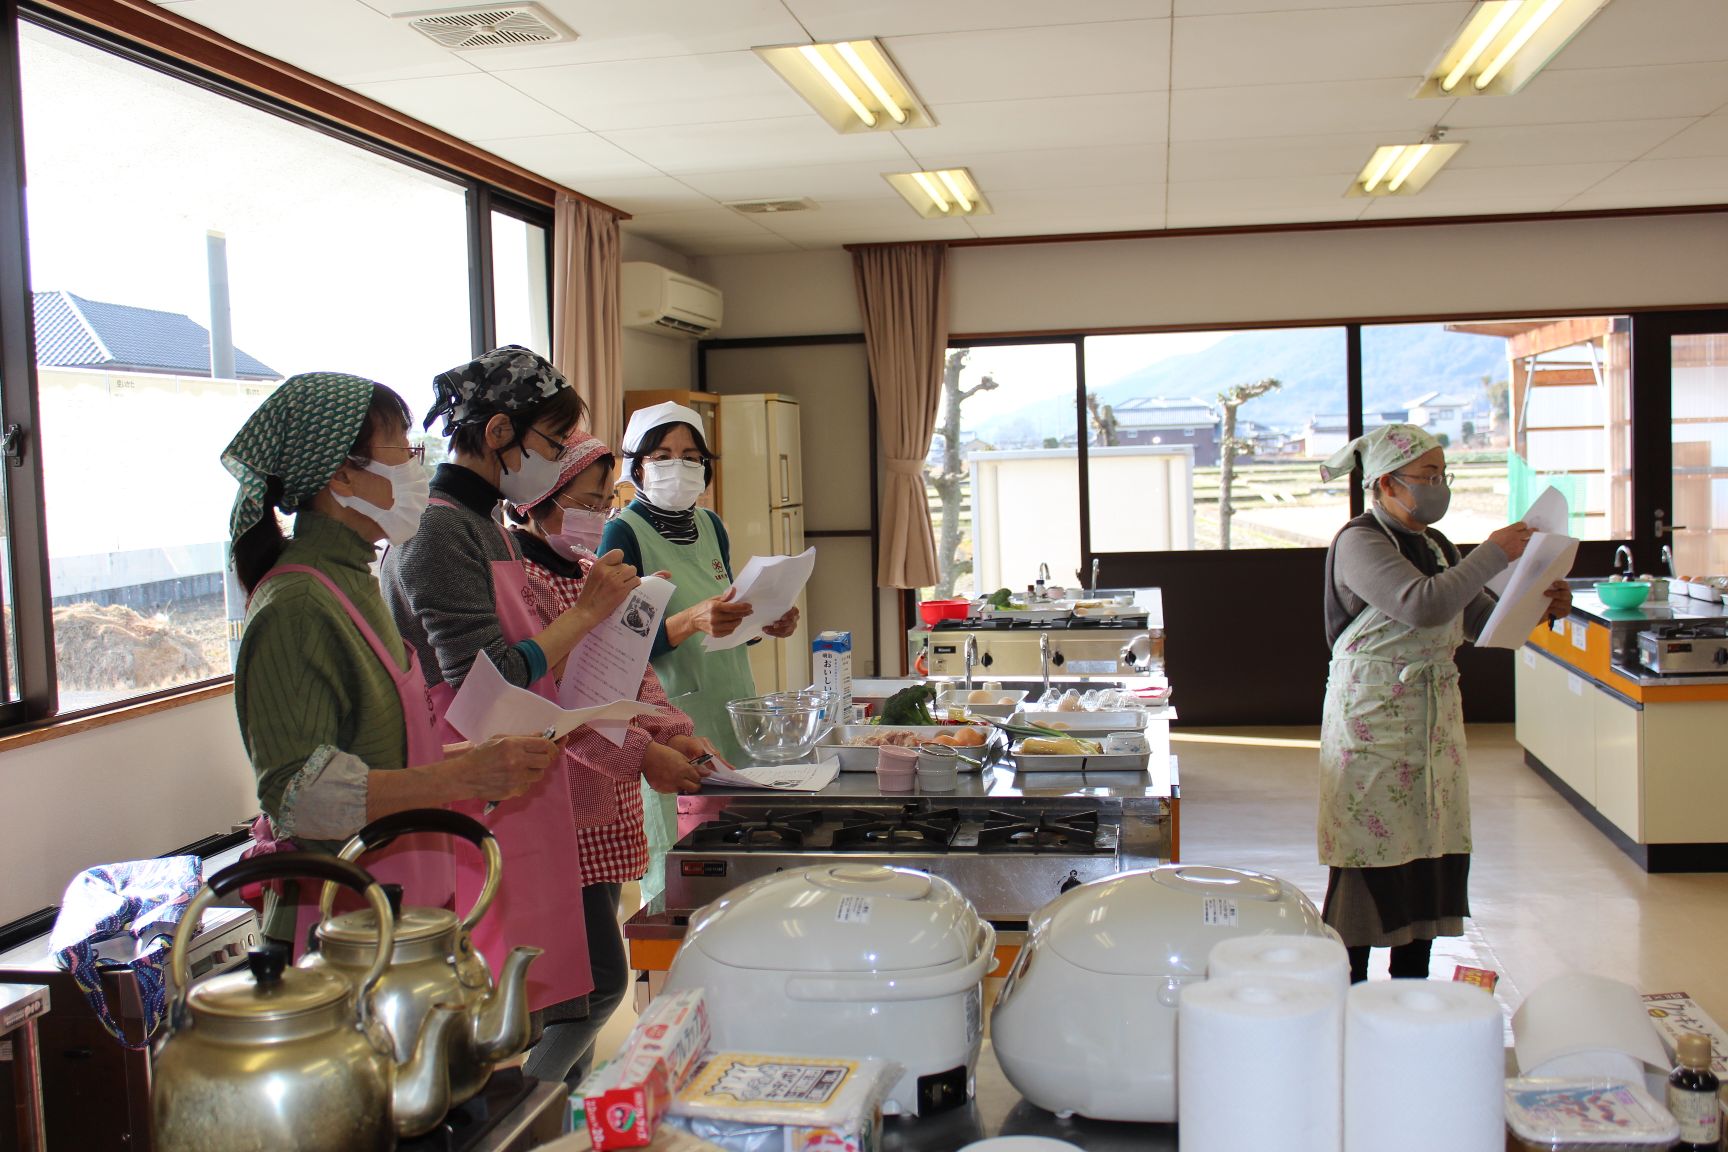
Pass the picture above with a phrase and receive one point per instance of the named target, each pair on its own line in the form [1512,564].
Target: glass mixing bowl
[782,726]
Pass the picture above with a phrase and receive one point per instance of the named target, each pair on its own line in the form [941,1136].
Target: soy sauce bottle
[1692,1089]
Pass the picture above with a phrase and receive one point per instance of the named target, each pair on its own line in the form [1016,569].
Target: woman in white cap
[662,530]
[1394,824]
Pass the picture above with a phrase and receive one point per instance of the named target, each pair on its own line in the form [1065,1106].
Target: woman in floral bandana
[1394,824]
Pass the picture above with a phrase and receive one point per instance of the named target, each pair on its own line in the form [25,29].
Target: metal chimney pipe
[221,326]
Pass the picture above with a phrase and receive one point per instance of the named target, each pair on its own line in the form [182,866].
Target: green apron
[1393,785]
[697,681]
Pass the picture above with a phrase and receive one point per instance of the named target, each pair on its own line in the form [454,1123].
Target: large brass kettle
[277,1057]
[432,959]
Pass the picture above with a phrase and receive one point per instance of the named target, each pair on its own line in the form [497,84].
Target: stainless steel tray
[1094,762]
[862,758]
[1083,723]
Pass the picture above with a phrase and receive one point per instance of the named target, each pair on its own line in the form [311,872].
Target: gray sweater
[1370,570]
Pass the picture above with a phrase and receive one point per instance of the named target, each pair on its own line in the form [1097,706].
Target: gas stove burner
[907,831]
[765,832]
[1003,832]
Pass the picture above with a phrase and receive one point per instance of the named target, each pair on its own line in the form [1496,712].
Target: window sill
[54,729]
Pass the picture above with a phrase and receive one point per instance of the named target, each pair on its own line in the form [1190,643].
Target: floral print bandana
[1383,450]
[503,380]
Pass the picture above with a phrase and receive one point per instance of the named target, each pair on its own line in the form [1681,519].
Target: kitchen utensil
[896,768]
[782,726]
[1111,957]
[1624,594]
[845,958]
[281,1057]
[938,768]
[930,611]
[432,959]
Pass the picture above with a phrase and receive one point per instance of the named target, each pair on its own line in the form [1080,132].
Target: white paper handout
[1547,558]
[488,705]
[1550,514]
[608,664]
[770,585]
[780,777]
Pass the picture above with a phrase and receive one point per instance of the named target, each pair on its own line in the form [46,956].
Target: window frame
[32,612]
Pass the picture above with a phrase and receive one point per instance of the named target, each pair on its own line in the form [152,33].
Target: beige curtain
[903,294]
[587,336]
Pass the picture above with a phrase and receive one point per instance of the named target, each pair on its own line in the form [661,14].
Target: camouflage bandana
[503,380]
[301,434]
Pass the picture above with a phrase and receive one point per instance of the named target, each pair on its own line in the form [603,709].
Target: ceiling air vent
[771,207]
[491,26]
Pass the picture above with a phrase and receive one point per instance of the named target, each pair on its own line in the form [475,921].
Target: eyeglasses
[573,505]
[558,448]
[416,453]
[1435,480]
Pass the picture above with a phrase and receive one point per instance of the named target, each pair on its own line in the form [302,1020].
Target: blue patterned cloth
[143,899]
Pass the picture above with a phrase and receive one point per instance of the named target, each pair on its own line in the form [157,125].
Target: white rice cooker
[848,960]
[1086,1020]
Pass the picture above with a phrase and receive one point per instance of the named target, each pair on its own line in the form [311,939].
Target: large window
[161,212]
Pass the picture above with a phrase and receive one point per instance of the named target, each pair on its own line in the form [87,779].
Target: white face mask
[579,536]
[533,478]
[410,487]
[673,484]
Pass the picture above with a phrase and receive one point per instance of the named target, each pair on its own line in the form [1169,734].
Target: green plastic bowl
[1628,594]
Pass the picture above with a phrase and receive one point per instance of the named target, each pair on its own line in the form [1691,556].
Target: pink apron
[424,864]
[540,900]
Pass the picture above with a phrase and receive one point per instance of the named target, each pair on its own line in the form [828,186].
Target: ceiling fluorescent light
[852,84]
[940,192]
[1402,169]
[1504,43]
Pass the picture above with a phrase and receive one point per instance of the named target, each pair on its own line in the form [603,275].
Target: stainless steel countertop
[1001,782]
[1674,610]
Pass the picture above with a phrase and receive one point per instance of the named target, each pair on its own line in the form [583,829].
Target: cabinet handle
[786,535]
[785,478]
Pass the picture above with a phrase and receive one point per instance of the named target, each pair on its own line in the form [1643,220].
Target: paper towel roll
[1316,959]
[1579,1024]
[1259,1061]
[1424,1068]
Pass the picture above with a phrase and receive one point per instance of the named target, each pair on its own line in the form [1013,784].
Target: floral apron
[1393,785]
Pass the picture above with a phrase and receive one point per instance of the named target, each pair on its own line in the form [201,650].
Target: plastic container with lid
[1597,1115]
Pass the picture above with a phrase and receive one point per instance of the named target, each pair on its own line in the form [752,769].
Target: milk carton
[831,667]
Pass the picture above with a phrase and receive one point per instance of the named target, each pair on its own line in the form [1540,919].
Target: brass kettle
[277,1057]
[432,959]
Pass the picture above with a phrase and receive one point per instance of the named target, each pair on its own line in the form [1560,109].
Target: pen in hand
[492,805]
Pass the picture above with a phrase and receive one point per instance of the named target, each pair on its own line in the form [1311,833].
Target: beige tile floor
[1548,891]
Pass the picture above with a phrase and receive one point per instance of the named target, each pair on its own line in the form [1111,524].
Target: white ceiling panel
[703,89]
[341,40]
[1704,174]
[1406,207]
[574,159]
[1061,167]
[1630,32]
[1062,122]
[1558,180]
[1707,137]
[1226,7]
[822,182]
[474,106]
[1596,94]
[1529,145]
[749,144]
[1220,216]
[1312,46]
[1304,110]
[646,195]
[1281,155]
[628,29]
[1016,63]
[858,19]
[1143,204]
[1273,194]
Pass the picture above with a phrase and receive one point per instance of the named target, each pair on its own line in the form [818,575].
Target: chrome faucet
[1094,575]
[1630,569]
[1668,559]
[1044,658]
[1044,573]
[969,656]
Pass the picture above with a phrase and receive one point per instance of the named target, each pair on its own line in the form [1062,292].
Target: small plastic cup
[896,768]
[938,768]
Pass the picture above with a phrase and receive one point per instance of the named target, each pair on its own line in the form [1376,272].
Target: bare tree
[1230,447]
[950,568]
[1103,421]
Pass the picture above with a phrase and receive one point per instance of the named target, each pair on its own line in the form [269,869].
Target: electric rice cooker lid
[1164,921]
[840,918]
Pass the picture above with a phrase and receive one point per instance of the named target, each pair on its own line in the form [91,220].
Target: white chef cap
[645,420]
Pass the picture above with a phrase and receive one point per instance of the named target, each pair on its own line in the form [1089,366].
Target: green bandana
[301,434]
[1384,449]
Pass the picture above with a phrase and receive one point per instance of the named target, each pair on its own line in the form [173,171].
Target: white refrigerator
[761,495]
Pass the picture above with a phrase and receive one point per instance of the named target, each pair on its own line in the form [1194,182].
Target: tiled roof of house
[72,332]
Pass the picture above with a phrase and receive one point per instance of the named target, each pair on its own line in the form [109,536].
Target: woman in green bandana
[331,703]
[1394,824]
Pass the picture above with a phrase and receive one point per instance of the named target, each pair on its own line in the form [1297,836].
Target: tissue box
[751,1102]
[831,667]
[624,1102]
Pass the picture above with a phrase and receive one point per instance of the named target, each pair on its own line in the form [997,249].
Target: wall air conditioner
[668,303]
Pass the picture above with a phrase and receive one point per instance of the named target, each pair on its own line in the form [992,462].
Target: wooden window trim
[115,714]
[163,31]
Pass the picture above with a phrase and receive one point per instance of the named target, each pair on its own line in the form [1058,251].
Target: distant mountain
[1398,365]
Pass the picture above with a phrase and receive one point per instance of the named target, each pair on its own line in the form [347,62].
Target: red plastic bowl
[931,611]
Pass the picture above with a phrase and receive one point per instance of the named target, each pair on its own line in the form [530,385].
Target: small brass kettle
[277,1057]
[432,959]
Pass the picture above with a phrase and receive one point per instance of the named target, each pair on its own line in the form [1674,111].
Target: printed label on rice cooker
[853,910]
[1218,912]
